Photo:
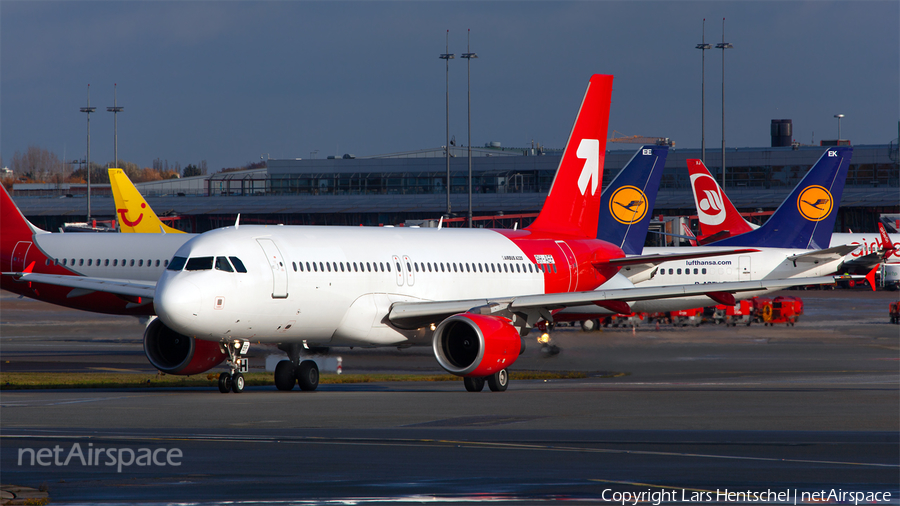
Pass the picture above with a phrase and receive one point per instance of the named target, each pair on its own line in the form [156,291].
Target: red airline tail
[715,212]
[886,243]
[13,227]
[573,206]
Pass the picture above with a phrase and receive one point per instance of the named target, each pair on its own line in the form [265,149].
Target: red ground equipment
[785,310]
[686,317]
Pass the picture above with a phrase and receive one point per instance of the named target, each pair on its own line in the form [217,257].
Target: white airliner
[470,294]
[719,219]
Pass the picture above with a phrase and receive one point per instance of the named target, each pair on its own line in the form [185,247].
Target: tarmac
[796,410]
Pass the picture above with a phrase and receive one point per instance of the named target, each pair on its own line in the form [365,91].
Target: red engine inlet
[475,345]
[174,353]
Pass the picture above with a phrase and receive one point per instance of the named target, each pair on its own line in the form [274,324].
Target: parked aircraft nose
[177,303]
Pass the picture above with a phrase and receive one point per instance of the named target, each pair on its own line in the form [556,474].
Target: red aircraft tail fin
[573,206]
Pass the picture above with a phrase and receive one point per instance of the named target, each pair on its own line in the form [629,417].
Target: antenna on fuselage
[440,222]
[237,221]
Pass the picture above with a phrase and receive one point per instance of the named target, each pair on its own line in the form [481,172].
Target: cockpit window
[199,264]
[223,265]
[238,265]
[177,263]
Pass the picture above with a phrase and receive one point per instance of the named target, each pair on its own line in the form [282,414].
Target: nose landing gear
[233,381]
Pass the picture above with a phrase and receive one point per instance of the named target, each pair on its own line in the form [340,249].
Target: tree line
[39,165]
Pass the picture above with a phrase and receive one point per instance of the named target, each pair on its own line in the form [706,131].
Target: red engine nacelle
[174,353]
[475,345]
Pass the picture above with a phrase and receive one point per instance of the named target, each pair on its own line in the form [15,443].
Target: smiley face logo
[628,205]
[815,203]
[125,220]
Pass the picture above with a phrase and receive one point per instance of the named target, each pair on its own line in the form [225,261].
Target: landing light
[237,344]
[433,327]
[544,339]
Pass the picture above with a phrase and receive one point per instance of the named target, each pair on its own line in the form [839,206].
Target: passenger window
[223,265]
[704,270]
[157,263]
[416,266]
[382,266]
[80,262]
[140,262]
[398,267]
[389,267]
[408,267]
[198,264]
[442,266]
[369,266]
[695,271]
[342,266]
[64,262]
[132,263]
[354,267]
[480,269]
[307,267]
[165,263]
[176,265]
[670,271]
[315,268]
[518,268]
[238,265]
[678,271]
[454,266]
[328,266]
[334,264]
[89,262]
[662,271]
[321,267]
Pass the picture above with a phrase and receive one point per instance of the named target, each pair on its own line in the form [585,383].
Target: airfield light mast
[115,109]
[447,56]
[703,47]
[839,116]
[468,56]
[88,110]
[723,46]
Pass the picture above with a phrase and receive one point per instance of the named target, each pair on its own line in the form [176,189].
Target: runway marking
[441,443]
[25,404]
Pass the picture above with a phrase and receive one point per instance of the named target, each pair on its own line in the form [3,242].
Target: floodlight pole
[839,116]
[703,47]
[468,56]
[723,46]
[447,56]
[88,110]
[115,109]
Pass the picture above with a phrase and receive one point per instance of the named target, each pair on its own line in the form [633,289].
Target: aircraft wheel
[308,375]
[474,384]
[498,381]
[284,375]
[237,383]
[224,382]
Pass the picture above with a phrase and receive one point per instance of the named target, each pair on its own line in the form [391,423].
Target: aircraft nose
[177,303]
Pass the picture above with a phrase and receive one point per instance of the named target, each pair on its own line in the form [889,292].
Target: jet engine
[174,353]
[475,345]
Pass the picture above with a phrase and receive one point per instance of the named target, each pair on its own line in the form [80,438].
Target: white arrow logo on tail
[589,151]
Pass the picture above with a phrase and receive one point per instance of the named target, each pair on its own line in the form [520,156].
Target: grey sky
[227,82]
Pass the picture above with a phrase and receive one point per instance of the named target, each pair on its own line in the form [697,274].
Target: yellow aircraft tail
[132,211]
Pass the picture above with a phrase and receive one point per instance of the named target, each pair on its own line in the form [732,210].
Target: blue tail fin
[806,219]
[627,203]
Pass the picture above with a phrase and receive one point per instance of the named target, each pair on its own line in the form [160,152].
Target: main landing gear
[497,382]
[289,372]
[233,381]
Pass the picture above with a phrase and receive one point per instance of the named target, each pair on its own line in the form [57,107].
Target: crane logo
[125,220]
[815,203]
[708,198]
[628,205]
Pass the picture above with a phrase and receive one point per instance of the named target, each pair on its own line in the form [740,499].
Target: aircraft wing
[826,255]
[123,287]
[417,314]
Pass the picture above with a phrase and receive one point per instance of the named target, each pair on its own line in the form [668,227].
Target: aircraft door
[569,255]
[410,275]
[20,251]
[276,263]
[744,268]
[399,276]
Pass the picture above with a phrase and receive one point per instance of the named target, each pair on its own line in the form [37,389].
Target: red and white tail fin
[573,206]
[715,212]
[14,228]
[886,243]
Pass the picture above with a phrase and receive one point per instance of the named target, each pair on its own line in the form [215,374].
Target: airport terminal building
[512,182]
